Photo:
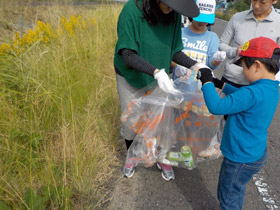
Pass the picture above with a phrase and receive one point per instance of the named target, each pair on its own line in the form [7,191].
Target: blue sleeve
[236,102]
[212,49]
[229,89]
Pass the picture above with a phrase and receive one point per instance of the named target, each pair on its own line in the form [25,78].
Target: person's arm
[215,57]
[227,38]
[236,100]
[134,61]
[225,87]
[212,49]
[183,60]
[229,89]
[233,103]
[173,64]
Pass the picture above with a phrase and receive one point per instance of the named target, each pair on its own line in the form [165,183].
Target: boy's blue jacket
[250,109]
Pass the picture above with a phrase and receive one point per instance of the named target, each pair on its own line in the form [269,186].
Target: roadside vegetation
[59,113]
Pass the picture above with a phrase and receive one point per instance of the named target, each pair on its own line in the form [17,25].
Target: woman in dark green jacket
[149,38]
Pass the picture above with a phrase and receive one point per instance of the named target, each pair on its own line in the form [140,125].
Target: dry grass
[59,109]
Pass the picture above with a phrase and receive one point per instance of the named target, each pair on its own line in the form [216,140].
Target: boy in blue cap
[250,110]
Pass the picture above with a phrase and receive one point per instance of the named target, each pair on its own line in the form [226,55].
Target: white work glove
[164,82]
[219,56]
[181,71]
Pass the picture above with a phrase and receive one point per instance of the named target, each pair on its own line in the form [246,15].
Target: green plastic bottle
[186,153]
[175,156]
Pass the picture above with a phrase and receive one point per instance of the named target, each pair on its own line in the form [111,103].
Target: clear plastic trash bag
[177,130]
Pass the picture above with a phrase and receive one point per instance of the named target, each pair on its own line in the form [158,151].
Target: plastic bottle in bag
[186,152]
[175,156]
[169,162]
[185,156]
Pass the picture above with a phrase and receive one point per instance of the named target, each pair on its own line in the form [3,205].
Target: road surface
[196,189]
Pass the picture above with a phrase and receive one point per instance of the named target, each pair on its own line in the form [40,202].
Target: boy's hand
[204,75]
[218,83]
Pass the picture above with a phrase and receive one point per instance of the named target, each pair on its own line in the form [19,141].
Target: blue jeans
[233,180]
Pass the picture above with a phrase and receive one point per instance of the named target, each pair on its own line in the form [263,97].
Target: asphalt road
[196,189]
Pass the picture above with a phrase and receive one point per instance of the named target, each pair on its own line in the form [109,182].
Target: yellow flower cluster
[43,33]
[75,22]
[5,48]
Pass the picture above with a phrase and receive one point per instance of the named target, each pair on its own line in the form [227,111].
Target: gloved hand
[219,56]
[164,82]
[205,75]
[180,71]
[218,83]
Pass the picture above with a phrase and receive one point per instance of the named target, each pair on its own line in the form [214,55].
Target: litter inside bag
[177,130]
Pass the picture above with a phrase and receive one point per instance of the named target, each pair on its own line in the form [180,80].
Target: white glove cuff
[158,73]
[198,66]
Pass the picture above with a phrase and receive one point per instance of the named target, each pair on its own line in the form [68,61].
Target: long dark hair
[153,14]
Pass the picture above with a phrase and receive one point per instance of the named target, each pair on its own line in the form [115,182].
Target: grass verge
[59,109]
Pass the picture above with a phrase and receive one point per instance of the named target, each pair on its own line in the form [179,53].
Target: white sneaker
[167,172]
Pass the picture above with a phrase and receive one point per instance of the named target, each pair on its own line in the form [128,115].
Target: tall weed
[59,111]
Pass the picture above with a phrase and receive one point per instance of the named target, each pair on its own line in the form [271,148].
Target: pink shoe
[128,169]
[167,172]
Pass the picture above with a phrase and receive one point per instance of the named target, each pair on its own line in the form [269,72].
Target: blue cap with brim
[205,18]
[206,11]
